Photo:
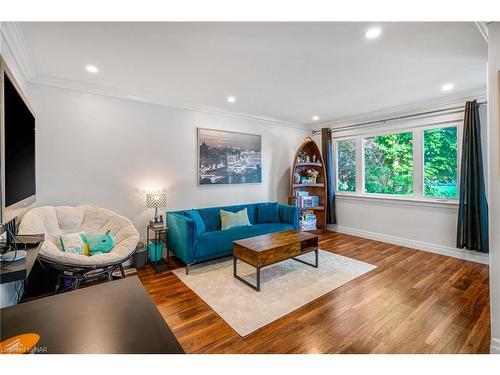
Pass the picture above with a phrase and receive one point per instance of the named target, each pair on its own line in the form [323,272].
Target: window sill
[410,201]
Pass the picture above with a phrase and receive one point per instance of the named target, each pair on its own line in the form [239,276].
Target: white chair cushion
[54,221]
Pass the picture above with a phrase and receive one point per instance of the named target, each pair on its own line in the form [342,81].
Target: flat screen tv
[18,147]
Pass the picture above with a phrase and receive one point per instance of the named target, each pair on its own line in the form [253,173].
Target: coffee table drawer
[267,257]
[272,256]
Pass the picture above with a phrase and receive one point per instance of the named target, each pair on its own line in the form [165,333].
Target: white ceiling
[285,71]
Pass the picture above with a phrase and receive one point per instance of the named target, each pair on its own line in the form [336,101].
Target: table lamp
[156,200]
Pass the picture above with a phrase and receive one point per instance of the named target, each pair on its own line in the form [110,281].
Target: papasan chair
[54,221]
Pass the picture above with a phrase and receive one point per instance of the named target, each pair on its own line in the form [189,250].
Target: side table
[160,235]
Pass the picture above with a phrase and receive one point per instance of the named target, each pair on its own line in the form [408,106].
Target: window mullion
[360,167]
[418,166]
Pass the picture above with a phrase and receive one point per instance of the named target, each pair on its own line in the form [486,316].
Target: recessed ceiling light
[231,99]
[315,118]
[91,68]
[447,87]
[373,33]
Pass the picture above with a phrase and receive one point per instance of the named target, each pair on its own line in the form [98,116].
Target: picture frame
[228,158]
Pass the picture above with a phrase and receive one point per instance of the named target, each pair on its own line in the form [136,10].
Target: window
[420,163]
[440,163]
[346,161]
[388,163]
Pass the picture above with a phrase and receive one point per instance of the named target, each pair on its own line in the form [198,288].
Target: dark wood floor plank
[413,302]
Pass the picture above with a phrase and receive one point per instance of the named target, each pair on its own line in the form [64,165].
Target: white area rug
[285,287]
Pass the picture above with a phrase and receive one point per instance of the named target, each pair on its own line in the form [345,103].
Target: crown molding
[14,38]
[16,43]
[403,110]
[80,86]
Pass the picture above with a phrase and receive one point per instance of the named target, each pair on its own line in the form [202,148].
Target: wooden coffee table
[262,251]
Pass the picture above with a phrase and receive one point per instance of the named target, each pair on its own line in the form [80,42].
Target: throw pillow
[75,243]
[198,221]
[268,213]
[233,219]
[100,243]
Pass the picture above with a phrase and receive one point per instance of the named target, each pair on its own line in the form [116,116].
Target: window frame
[418,162]
[336,153]
[459,127]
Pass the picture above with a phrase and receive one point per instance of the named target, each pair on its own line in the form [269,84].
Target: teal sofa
[194,241]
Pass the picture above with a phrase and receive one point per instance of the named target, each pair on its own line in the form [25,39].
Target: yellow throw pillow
[233,219]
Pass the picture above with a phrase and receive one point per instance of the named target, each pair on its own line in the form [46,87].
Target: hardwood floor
[413,302]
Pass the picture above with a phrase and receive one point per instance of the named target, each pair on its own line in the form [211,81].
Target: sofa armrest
[181,236]
[289,215]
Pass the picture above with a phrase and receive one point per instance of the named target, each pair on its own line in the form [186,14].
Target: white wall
[494,180]
[425,226]
[105,151]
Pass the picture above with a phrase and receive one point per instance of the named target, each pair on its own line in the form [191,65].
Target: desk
[117,317]
[20,269]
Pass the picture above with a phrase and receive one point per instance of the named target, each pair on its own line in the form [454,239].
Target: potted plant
[312,175]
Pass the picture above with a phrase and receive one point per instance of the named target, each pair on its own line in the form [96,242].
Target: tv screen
[19,143]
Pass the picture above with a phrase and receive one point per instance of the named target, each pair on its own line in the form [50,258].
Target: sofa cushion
[199,224]
[221,241]
[230,219]
[211,215]
[268,213]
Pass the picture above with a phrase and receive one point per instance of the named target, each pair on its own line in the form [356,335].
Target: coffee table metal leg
[316,263]
[235,274]
[258,279]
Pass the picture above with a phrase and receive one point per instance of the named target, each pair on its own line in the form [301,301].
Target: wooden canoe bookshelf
[310,148]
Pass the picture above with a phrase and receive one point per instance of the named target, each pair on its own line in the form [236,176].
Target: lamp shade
[156,199]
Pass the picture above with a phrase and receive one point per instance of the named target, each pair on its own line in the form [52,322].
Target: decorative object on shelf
[310,194]
[296,177]
[156,199]
[312,175]
[226,157]
[302,157]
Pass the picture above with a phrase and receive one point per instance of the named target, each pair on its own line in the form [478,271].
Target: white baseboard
[473,256]
[495,346]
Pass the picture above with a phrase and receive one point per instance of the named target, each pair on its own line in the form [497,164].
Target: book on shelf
[302,199]
[300,193]
[307,221]
[307,225]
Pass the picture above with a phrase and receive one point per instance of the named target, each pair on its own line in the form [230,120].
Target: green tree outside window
[346,173]
[389,164]
[440,163]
